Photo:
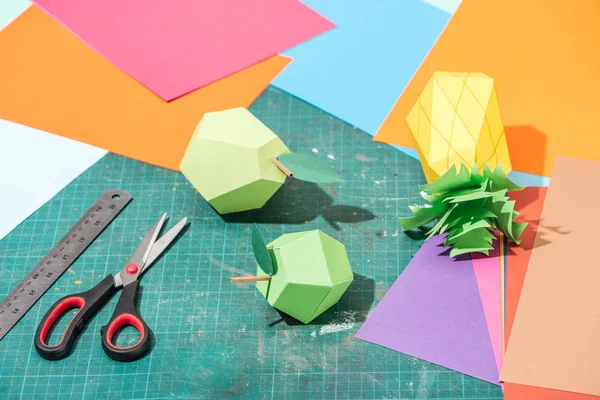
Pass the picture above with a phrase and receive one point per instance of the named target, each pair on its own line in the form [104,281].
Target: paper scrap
[488,271]
[555,337]
[35,166]
[529,204]
[433,312]
[52,81]
[357,70]
[174,47]
[557,48]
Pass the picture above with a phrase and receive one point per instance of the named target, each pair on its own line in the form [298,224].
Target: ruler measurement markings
[60,258]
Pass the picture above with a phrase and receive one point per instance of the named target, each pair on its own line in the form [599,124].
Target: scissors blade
[161,244]
[140,255]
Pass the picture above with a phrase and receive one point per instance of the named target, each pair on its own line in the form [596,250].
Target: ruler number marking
[58,259]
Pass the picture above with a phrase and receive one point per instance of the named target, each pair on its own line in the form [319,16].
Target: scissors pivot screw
[131,269]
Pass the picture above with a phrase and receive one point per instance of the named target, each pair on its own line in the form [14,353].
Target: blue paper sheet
[358,70]
[35,166]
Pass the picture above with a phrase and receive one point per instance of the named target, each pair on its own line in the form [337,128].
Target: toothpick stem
[282,167]
[250,278]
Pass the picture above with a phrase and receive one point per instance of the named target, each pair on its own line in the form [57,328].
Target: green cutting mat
[216,340]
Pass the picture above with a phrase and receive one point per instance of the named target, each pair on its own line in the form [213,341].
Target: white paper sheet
[35,166]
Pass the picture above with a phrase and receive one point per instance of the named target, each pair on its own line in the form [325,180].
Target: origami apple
[237,163]
[311,271]
[457,120]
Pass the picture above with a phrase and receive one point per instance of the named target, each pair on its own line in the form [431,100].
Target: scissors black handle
[88,303]
[126,315]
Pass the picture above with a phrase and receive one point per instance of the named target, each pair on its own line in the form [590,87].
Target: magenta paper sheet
[176,46]
[487,273]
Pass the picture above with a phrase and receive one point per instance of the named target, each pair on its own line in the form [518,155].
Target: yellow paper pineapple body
[457,120]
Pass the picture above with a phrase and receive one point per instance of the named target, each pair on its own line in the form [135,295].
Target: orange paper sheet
[555,337]
[52,81]
[544,56]
[529,203]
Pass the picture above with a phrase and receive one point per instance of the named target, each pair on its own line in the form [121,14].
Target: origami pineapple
[456,121]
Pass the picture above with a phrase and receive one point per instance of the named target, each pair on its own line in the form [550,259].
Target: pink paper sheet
[176,46]
[488,276]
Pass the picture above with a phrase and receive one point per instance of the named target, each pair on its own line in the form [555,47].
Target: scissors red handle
[126,315]
[88,303]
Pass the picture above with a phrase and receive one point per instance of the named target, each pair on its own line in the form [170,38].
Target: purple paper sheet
[433,312]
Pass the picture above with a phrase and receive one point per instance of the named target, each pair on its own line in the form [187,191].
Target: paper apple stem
[282,168]
[250,278]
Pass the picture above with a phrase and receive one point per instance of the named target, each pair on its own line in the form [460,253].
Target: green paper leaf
[467,227]
[518,228]
[261,253]
[473,242]
[437,228]
[460,192]
[499,180]
[504,209]
[422,216]
[476,176]
[308,168]
[451,180]
[473,196]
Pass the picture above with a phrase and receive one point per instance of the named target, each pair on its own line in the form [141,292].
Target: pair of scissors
[125,314]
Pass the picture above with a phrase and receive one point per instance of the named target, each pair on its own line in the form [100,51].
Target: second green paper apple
[231,160]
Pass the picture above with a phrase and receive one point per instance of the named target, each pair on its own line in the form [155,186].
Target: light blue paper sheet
[11,9]
[358,70]
[35,166]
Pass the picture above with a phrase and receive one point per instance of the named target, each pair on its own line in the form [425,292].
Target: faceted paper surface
[457,120]
[229,161]
[312,272]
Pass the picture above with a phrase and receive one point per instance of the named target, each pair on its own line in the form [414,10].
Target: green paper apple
[237,163]
[311,272]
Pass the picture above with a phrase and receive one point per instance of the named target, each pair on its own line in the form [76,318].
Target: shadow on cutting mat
[298,202]
[353,306]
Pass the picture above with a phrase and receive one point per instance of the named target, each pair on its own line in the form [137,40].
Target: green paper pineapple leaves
[468,206]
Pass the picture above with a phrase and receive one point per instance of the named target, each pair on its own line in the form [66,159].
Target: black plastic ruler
[60,258]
